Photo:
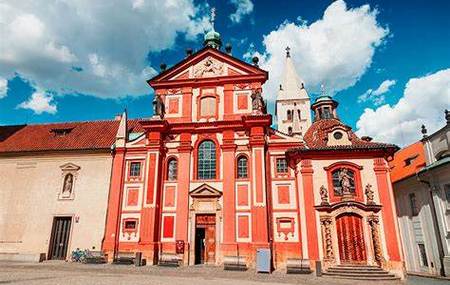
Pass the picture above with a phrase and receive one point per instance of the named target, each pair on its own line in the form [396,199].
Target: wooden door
[350,234]
[210,244]
[59,239]
[206,224]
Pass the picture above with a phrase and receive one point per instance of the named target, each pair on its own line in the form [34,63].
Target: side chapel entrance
[205,238]
[59,239]
[350,235]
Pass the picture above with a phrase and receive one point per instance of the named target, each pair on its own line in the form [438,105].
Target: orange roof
[407,162]
[90,135]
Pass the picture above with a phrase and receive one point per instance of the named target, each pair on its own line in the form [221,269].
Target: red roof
[316,137]
[90,135]
[407,162]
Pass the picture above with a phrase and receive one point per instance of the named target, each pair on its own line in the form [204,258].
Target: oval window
[337,135]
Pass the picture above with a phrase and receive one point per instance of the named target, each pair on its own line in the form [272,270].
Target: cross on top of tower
[213,16]
[288,53]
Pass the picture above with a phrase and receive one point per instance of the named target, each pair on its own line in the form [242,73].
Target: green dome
[211,35]
[324,98]
[212,39]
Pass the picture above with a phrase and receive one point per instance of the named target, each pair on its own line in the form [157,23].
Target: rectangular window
[413,204]
[282,165]
[423,254]
[130,224]
[135,169]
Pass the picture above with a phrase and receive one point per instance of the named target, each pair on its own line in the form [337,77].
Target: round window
[337,135]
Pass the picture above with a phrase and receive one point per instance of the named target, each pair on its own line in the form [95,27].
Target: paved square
[72,273]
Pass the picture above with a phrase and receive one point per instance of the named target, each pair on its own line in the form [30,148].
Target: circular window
[337,135]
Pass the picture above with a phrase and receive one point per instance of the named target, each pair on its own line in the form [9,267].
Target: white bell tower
[293,104]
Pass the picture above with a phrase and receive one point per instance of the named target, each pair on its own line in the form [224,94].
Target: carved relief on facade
[286,227]
[374,224]
[209,67]
[68,175]
[327,224]
[129,229]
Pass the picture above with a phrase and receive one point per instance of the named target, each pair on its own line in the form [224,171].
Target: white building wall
[416,229]
[30,187]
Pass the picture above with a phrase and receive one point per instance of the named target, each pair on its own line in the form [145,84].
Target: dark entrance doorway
[351,239]
[205,239]
[59,239]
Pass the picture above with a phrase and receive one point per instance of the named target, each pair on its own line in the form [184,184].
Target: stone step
[371,278]
[359,272]
[356,266]
[381,274]
[337,270]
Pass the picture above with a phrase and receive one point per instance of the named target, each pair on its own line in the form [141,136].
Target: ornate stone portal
[376,243]
[204,200]
[371,251]
[326,223]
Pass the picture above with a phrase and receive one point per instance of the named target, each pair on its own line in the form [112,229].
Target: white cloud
[3,87]
[243,8]
[335,50]
[377,96]
[423,102]
[39,102]
[95,48]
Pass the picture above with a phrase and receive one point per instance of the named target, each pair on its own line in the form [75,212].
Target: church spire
[292,87]
[293,105]
[212,38]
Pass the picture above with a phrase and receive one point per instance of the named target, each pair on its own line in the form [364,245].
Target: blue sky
[88,62]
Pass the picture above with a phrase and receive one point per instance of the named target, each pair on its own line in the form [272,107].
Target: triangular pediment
[69,167]
[205,191]
[207,63]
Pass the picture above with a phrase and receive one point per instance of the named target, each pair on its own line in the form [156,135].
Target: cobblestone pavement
[70,273]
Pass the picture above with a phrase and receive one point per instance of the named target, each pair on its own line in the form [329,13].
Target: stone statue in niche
[369,194]
[324,195]
[68,185]
[209,68]
[258,104]
[346,181]
[158,107]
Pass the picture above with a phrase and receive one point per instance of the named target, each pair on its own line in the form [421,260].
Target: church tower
[293,104]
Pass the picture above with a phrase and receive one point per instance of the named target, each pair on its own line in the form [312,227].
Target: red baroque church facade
[207,177]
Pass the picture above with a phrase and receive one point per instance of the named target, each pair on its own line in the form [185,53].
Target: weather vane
[322,89]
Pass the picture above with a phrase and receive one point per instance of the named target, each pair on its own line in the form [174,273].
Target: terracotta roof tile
[316,137]
[407,162]
[90,135]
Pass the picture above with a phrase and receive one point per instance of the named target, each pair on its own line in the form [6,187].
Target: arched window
[172,169]
[242,167]
[289,115]
[206,160]
[299,114]
[343,181]
[208,106]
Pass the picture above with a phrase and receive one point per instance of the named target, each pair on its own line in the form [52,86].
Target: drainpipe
[435,224]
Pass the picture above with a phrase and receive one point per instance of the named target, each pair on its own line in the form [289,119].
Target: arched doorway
[350,235]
